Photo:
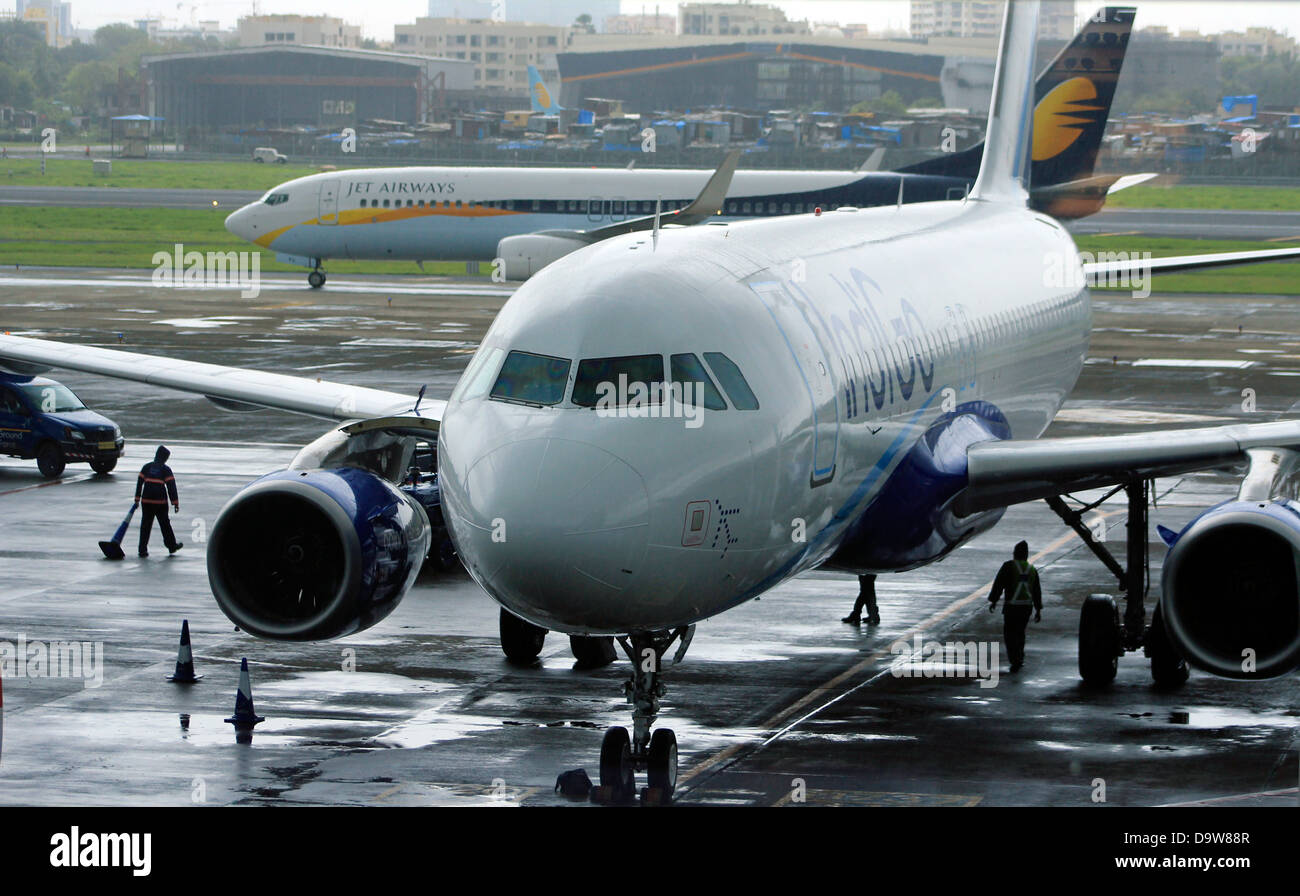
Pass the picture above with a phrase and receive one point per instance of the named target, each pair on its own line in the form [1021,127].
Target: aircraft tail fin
[1004,168]
[543,102]
[1072,98]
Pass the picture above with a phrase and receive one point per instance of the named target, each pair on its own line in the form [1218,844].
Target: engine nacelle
[1230,585]
[306,555]
[526,254]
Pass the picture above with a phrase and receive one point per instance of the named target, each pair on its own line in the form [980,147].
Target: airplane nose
[239,222]
[556,529]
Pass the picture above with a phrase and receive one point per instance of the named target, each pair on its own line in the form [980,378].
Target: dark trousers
[1014,622]
[150,512]
[866,597]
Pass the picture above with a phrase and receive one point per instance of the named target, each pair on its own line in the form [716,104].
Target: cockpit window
[476,379]
[733,381]
[276,198]
[532,379]
[687,370]
[617,382]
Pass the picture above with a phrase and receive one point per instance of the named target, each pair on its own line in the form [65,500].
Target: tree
[889,103]
[16,88]
[86,84]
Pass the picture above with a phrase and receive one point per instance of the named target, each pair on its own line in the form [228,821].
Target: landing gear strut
[316,279]
[621,756]
[1103,637]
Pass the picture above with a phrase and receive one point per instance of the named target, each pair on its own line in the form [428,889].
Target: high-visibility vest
[1023,594]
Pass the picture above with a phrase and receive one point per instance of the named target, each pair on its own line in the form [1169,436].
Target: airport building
[762,74]
[737,19]
[499,52]
[314,31]
[560,13]
[297,86]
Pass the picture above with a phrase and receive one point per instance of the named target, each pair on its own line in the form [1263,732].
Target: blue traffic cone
[245,716]
[184,673]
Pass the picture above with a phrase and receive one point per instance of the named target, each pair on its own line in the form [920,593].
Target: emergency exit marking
[696,524]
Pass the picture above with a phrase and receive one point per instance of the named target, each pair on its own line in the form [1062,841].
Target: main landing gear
[522,643]
[621,755]
[316,279]
[1103,636]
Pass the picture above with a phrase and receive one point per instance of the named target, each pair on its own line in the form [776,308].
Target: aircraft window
[573,205]
[276,198]
[457,203]
[476,379]
[510,205]
[9,403]
[688,369]
[420,204]
[532,379]
[597,376]
[744,208]
[410,203]
[785,208]
[385,203]
[733,381]
[537,205]
[798,208]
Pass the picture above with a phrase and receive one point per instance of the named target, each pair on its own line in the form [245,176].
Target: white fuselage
[859,332]
[427,214]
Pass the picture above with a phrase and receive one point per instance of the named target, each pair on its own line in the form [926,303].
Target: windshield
[532,379]
[616,382]
[276,198]
[52,398]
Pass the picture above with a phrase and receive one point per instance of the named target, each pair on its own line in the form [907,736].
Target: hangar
[295,86]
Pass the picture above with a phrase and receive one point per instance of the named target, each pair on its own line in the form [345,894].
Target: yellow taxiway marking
[1283,239]
[820,692]
[1121,233]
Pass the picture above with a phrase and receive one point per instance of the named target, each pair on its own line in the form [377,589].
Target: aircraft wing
[231,388]
[1001,473]
[1098,271]
[705,206]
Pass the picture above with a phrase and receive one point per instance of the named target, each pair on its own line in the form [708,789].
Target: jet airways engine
[305,555]
[526,254]
[1231,593]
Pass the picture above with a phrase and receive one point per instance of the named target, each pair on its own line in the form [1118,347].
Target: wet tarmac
[777,703]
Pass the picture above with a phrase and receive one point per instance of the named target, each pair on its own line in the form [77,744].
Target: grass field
[1244,198]
[128,238]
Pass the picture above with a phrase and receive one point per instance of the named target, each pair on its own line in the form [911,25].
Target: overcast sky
[377,17]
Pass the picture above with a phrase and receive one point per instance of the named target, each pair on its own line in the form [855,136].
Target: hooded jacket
[156,484]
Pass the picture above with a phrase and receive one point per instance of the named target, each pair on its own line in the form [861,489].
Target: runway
[777,703]
[126,197]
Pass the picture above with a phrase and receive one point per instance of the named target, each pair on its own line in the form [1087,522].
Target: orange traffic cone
[184,673]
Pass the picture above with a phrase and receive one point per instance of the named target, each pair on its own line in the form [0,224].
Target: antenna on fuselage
[419,398]
[654,233]
[901,181]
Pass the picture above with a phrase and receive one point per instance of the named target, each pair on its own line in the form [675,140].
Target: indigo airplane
[528,217]
[873,385]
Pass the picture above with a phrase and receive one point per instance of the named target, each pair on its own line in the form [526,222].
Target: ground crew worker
[1018,580]
[153,488]
[867,599]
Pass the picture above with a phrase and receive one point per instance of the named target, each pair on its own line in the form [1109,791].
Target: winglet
[714,194]
[1006,141]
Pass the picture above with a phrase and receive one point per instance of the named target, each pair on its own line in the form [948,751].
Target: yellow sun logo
[543,95]
[1057,123]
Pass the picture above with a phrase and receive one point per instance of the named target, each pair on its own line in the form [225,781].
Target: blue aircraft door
[803,334]
[328,212]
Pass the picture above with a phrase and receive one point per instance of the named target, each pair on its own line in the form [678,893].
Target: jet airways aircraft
[662,426]
[528,217]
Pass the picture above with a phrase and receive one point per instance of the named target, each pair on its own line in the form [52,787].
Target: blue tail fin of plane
[543,102]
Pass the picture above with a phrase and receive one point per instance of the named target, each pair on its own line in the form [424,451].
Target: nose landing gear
[316,279]
[621,756]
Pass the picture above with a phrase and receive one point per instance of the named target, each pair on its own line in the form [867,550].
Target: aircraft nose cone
[555,529]
[238,222]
